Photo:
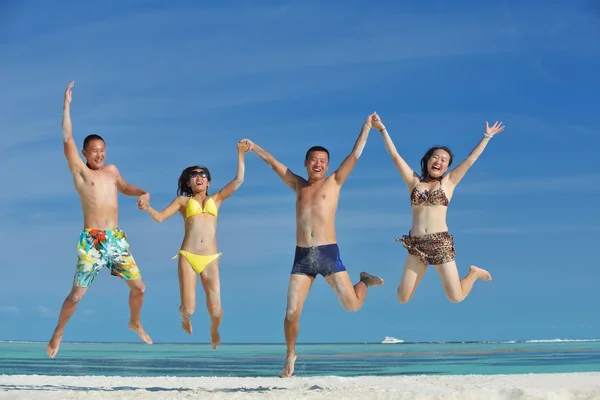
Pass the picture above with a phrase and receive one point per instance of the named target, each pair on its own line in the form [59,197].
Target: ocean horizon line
[511,341]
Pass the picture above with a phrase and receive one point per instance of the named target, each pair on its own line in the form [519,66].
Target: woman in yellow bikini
[198,254]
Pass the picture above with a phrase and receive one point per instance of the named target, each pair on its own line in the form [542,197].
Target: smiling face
[316,163]
[95,153]
[438,163]
[435,163]
[199,180]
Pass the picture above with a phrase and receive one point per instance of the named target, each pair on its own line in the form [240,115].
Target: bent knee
[351,306]
[403,297]
[455,298]
[189,311]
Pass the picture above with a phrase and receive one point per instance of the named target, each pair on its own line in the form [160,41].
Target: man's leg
[122,264]
[352,297]
[136,299]
[67,310]
[87,267]
[330,265]
[298,288]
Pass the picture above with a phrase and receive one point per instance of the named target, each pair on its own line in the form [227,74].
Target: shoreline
[490,387]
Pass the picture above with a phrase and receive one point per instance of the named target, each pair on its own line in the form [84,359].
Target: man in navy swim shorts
[317,251]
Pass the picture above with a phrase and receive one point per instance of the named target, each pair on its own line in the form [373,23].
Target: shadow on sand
[259,389]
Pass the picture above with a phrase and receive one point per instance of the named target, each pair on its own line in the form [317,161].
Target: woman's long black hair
[427,156]
[183,185]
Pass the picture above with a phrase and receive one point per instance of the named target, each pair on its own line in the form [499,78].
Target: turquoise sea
[266,360]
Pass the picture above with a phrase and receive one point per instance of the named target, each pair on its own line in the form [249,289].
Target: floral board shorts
[108,248]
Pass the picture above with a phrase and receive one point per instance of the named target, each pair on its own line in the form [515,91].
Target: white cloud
[9,310]
[46,312]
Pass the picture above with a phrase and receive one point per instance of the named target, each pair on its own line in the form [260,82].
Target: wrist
[382,129]
[487,136]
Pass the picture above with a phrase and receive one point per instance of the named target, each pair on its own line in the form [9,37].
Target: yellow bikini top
[193,207]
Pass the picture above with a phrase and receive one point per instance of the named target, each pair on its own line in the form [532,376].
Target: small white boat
[391,340]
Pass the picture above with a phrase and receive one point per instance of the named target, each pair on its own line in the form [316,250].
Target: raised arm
[461,169]
[287,176]
[167,212]
[341,174]
[70,148]
[242,148]
[408,175]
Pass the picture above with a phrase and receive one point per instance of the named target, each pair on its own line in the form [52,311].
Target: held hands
[494,129]
[376,122]
[143,201]
[68,94]
[244,146]
[369,120]
[373,121]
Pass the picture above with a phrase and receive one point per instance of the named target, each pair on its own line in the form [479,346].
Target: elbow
[156,217]
[237,182]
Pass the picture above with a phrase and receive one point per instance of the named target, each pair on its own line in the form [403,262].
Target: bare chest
[98,183]
[316,198]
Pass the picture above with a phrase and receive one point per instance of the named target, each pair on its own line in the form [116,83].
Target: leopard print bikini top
[435,197]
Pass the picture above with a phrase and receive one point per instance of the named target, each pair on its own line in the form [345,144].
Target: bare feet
[53,345]
[137,328]
[480,273]
[288,369]
[186,322]
[370,280]
[215,322]
[215,337]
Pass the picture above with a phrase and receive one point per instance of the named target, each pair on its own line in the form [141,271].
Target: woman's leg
[457,289]
[413,272]
[187,290]
[212,289]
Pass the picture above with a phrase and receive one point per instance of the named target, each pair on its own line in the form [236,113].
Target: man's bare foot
[53,345]
[288,369]
[480,273]
[370,280]
[186,322]
[137,328]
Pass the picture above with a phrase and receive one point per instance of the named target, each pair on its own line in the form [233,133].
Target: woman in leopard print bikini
[429,242]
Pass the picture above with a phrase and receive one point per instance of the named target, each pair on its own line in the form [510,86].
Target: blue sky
[171,85]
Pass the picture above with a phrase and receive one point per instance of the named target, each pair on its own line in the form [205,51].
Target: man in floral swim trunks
[102,243]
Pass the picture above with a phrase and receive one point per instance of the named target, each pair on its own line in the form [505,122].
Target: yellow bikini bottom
[198,262]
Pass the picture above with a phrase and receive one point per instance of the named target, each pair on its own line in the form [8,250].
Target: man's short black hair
[316,148]
[91,137]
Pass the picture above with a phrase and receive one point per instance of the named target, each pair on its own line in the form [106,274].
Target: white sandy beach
[482,387]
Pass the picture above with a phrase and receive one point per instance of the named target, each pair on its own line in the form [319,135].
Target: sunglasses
[201,174]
